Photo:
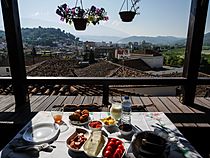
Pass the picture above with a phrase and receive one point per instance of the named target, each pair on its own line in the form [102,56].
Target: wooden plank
[12,108]
[204,102]
[148,105]
[88,100]
[116,99]
[68,103]
[184,109]
[15,117]
[37,102]
[176,101]
[33,98]
[173,108]
[7,103]
[46,103]
[136,101]
[159,105]
[2,97]
[97,100]
[69,100]
[58,101]
[137,104]
[78,100]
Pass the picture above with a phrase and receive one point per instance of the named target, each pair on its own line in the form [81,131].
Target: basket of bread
[79,117]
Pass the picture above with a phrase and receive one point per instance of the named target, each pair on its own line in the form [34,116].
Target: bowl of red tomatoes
[95,125]
[114,149]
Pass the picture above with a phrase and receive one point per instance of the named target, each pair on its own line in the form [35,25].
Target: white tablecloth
[144,120]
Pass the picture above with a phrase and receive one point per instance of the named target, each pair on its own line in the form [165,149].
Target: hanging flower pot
[127,16]
[80,24]
[129,13]
[81,17]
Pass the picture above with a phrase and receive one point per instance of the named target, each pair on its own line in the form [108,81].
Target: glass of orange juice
[57,114]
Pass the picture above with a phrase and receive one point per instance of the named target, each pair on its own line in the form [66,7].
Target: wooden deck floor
[196,115]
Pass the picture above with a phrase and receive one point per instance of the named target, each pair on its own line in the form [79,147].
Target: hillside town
[94,59]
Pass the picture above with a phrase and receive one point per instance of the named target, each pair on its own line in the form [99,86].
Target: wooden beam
[172,81]
[193,50]
[15,52]
[106,95]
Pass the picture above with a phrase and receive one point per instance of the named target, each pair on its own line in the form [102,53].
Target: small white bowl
[93,126]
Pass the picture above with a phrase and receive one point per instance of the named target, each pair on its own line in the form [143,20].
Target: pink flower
[62,18]
[67,10]
[73,12]
[106,18]
[97,10]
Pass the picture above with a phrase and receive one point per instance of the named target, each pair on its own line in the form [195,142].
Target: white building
[5,71]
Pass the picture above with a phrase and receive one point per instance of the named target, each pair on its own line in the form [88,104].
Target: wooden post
[106,94]
[15,52]
[193,50]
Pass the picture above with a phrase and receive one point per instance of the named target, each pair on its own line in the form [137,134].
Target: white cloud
[36,14]
[40,14]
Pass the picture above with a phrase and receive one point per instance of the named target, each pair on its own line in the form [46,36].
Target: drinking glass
[57,114]
[116,110]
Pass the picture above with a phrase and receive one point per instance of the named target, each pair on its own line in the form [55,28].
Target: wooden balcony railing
[106,82]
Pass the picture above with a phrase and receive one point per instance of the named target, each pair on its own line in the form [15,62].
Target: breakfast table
[141,121]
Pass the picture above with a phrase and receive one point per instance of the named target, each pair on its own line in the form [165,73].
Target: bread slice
[94,144]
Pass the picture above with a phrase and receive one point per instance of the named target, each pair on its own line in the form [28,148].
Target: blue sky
[157,17]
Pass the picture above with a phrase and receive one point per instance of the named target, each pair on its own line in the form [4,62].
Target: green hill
[46,36]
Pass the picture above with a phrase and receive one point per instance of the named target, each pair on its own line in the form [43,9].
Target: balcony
[189,113]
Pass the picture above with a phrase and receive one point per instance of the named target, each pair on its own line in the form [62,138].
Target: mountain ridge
[54,34]
[154,40]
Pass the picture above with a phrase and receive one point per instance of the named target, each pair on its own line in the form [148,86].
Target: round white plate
[78,123]
[41,133]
